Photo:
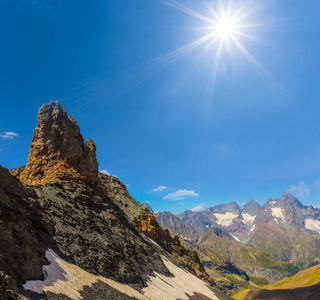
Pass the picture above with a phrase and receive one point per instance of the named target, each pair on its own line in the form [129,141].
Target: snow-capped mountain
[282,227]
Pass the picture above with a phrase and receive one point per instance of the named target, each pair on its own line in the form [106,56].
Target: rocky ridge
[177,226]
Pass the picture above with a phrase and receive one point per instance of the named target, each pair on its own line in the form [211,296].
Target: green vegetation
[303,279]
[254,262]
[228,277]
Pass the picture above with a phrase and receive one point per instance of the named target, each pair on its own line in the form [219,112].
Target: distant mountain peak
[287,195]
[58,149]
[232,207]
[252,207]
[288,199]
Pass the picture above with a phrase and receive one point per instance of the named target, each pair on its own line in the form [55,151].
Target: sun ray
[128,80]
[213,75]
[226,24]
[187,10]
[263,73]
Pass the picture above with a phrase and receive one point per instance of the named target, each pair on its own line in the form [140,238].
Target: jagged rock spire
[58,149]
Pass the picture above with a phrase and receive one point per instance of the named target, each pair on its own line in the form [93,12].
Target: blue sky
[153,113]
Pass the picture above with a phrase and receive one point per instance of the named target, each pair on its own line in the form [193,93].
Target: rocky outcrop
[58,149]
[145,221]
[76,220]
[189,260]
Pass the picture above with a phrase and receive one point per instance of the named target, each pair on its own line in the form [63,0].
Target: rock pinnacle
[58,150]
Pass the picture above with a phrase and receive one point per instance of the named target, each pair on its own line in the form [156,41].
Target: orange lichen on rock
[58,150]
[149,226]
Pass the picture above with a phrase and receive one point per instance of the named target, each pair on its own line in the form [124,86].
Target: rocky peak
[288,199]
[252,207]
[286,202]
[58,149]
[232,207]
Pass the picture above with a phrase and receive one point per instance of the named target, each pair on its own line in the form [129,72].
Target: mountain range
[271,241]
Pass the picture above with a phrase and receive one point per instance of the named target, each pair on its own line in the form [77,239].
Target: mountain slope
[238,221]
[90,236]
[228,277]
[254,262]
[304,285]
[196,219]
[288,231]
[178,227]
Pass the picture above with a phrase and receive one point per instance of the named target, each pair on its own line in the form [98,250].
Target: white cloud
[159,188]
[9,135]
[198,207]
[151,201]
[104,172]
[107,173]
[300,190]
[127,185]
[180,195]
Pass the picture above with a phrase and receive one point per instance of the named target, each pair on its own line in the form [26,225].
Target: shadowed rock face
[24,232]
[58,149]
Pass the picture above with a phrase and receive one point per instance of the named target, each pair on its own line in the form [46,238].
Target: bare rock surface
[58,149]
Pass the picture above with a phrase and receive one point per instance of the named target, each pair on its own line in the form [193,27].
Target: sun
[225,27]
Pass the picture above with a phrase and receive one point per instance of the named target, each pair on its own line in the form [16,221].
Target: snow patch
[277,212]
[248,219]
[161,287]
[273,202]
[235,238]
[68,279]
[185,238]
[62,277]
[252,229]
[312,225]
[225,219]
